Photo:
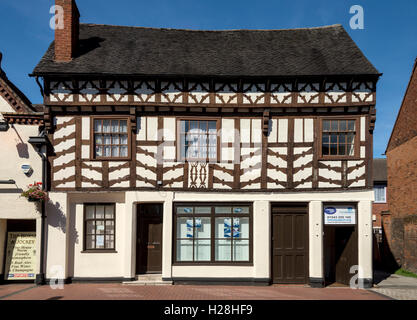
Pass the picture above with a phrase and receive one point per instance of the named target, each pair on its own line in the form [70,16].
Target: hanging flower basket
[35,193]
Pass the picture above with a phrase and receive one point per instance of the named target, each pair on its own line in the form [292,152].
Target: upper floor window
[380,192]
[111,138]
[338,138]
[198,140]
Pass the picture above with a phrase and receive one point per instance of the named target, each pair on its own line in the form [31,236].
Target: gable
[405,127]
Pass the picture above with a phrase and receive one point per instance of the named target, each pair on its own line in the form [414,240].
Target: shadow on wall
[388,261]
[22,150]
[57,219]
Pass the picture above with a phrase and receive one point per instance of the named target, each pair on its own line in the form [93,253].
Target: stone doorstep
[148,280]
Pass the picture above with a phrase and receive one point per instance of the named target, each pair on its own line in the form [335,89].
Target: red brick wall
[405,127]
[402,200]
[377,208]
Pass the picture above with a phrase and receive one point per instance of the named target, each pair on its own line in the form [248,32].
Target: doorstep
[149,280]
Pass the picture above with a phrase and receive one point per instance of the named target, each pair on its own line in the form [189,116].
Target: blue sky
[388,39]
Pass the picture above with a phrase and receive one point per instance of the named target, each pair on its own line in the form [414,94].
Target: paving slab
[96,291]
[397,287]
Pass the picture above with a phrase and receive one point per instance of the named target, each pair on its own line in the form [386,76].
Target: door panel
[149,239]
[289,244]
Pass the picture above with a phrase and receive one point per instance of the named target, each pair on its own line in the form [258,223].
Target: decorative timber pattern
[264,152]
[268,93]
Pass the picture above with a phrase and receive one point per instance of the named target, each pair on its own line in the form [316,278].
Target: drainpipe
[39,142]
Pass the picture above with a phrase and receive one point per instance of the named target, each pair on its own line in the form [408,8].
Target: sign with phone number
[339,215]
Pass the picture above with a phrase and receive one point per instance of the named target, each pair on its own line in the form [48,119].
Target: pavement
[117,291]
[395,286]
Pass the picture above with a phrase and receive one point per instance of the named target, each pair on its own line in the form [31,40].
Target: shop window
[99,226]
[213,234]
[110,138]
[380,192]
[338,138]
[198,140]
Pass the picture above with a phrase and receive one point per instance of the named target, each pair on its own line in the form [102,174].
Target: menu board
[20,256]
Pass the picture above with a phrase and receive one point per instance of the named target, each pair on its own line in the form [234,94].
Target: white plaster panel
[245,130]
[91,174]
[119,173]
[227,130]
[275,161]
[85,152]
[152,128]
[303,160]
[273,131]
[169,129]
[64,173]
[85,122]
[363,119]
[363,151]
[330,174]
[64,132]
[256,131]
[303,174]
[298,130]
[228,154]
[122,184]
[308,130]
[277,175]
[141,124]
[283,130]
[64,159]
[64,145]
[169,153]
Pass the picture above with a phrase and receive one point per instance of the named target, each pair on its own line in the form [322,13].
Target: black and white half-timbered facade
[208,156]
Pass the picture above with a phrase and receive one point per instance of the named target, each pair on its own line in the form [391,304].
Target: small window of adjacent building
[338,138]
[213,234]
[198,140]
[380,192]
[111,139]
[99,226]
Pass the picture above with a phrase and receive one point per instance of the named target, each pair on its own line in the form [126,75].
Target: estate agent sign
[20,256]
[339,214]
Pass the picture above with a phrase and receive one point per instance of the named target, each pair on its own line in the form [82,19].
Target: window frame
[98,250]
[93,157]
[356,153]
[178,137]
[213,238]
[385,192]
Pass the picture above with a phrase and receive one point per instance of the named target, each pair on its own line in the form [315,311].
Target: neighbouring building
[400,225]
[379,207]
[21,165]
[239,156]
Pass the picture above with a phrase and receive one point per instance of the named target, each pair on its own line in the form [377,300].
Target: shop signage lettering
[20,256]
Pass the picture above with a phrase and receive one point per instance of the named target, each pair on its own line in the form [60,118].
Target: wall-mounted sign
[20,256]
[339,214]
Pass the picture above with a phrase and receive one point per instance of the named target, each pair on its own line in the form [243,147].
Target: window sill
[339,158]
[99,251]
[207,263]
[380,202]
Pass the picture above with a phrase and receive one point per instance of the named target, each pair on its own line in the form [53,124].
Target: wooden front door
[290,244]
[149,239]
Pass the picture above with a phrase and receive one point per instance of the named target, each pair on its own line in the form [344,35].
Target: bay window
[218,233]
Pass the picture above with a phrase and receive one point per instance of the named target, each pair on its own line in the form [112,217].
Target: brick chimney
[66,38]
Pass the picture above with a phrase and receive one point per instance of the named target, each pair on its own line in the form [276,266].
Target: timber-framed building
[208,156]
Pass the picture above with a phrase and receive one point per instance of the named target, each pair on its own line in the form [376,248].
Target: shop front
[226,238]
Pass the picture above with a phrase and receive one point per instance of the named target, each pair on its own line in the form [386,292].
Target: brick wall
[402,200]
[66,39]
[377,209]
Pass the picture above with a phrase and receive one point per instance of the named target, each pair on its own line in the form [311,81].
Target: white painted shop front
[66,247]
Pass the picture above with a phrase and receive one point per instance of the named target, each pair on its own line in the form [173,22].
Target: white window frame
[385,193]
